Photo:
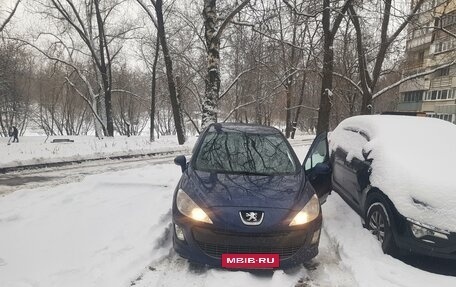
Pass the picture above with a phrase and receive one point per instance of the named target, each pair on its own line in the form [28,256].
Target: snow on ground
[98,232]
[361,252]
[113,229]
[37,150]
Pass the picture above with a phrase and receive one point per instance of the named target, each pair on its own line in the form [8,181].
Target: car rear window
[245,153]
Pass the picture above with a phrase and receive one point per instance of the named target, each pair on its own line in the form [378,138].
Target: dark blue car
[244,191]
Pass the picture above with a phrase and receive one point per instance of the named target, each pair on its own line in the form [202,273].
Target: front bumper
[427,245]
[205,243]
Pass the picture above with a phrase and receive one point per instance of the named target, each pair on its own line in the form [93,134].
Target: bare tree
[90,24]
[10,16]
[369,79]
[158,21]
[329,32]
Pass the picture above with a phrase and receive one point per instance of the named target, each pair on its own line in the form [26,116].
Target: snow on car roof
[414,162]
[243,127]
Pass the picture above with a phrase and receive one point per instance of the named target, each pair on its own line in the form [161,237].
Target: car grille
[216,243]
[216,250]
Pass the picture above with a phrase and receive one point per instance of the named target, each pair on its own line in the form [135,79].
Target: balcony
[446,109]
[409,106]
[419,41]
[440,82]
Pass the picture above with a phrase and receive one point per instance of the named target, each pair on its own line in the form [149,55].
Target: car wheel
[378,221]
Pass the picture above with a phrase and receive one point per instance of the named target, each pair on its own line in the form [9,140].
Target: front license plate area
[250,261]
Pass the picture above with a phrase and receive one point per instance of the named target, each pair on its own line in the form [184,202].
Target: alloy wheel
[377,225]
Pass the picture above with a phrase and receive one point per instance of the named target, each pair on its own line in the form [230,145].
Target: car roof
[385,126]
[243,127]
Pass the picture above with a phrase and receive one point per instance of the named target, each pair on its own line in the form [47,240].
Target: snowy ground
[38,149]
[113,229]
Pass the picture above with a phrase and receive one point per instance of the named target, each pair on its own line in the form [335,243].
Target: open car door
[317,166]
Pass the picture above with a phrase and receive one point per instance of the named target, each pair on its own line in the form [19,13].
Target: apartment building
[428,47]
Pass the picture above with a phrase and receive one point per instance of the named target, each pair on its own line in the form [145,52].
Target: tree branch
[237,108]
[295,10]
[350,81]
[10,16]
[302,106]
[229,17]
[234,82]
[148,11]
[87,101]
[411,77]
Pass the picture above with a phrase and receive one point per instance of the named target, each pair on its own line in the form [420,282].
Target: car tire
[378,221]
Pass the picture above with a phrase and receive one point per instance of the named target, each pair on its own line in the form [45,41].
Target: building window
[443,72]
[415,96]
[440,95]
[444,46]
[448,19]
[445,117]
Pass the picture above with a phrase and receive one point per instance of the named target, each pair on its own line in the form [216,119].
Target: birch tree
[213,33]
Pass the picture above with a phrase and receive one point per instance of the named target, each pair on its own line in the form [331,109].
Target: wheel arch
[374,194]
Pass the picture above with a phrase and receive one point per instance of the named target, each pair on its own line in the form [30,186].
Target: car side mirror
[182,161]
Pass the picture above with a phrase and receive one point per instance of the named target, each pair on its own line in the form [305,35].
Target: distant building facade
[427,48]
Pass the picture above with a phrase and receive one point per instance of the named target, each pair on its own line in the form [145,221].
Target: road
[42,177]
[51,176]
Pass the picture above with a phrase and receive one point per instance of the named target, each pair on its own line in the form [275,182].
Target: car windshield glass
[237,152]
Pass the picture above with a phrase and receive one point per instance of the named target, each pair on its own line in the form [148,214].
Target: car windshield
[238,152]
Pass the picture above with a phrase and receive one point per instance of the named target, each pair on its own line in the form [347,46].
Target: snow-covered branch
[94,112]
[237,108]
[411,77]
[234,82]
[302,106]
[350,81]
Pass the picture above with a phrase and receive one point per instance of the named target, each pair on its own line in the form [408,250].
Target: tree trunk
[327,79]
[329,32]
[152,90]
[169,74]
[298,109]
[212,81]
[105,71]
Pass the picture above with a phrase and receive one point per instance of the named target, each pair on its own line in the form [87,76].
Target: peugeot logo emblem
[251,217]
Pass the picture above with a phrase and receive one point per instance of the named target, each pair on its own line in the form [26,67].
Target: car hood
[221,189]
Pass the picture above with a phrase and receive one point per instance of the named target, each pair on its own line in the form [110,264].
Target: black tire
[379,223]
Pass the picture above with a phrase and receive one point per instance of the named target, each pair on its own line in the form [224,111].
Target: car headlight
[308,213]
[189,208]
[421,230]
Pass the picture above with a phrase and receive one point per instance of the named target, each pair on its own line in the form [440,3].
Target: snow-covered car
[244,197]
[398,173]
